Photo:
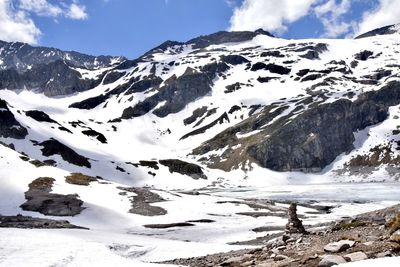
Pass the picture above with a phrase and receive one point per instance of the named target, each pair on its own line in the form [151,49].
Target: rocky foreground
[371,235]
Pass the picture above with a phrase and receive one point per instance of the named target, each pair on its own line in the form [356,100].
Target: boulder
[356,256]
[331,260]
[395,237]
[339,246]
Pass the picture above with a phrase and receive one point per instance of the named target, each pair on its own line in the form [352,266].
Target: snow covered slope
[248,104]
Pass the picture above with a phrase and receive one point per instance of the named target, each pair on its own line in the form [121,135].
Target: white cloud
[272,15]
[41,7]
[387,13]
[76,11]
[331,14]
[16,25]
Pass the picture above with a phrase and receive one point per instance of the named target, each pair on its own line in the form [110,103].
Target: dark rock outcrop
[27,222]
[99,136]
[39,199]
[273,53]
[52,79]
[113,76]
[224,117]
[380,31]
[90,103]
[53,147]
[363,55]
[306,142]
[141,202]
[312,51]
[234,59]
[21,56]
[273,68]
[225,37]
[313,140]
[39,116]
[197,113]
[9,126]
[177,92]
[311,77]
[144,84]
[185,168]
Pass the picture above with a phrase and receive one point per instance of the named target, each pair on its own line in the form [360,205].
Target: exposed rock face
[294,225]
[20,56]
[199,43]
[144,84]
[224,117]
[27,222]
[226,37]
[305,142]
[134,85]
[185,168]
[315,138]
[197,113]
[53,147]
[52,79]
[313,51]
[39,116]
[93,133]
[177,93]
[79,179]
[9,126]
[141,203]
[234,59]
[391,29]
[363,55]
[273,68]
[113,76]
[49,70]
[40,199]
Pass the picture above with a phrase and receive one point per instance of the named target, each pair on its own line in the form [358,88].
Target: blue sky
[132,27]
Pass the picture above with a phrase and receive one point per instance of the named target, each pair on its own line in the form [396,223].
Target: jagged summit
[224,37]
[22,56]
[391,29]
[217,38]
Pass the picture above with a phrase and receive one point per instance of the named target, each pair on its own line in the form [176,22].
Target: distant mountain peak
[22,56]
[391,29]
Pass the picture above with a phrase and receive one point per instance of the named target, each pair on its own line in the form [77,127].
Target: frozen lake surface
[348,192]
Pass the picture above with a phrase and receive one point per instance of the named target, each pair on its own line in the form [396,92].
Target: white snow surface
[389,262]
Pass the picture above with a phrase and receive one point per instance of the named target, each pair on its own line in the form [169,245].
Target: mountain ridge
[167,81]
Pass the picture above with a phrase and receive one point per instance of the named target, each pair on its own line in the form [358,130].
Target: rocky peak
[223,37]
[22,56]
[391,29]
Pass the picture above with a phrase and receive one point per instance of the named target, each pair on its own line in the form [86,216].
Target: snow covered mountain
[227,101]
[227,109]
[48,70]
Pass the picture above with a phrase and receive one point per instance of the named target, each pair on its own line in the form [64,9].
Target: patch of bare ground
[372,234]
